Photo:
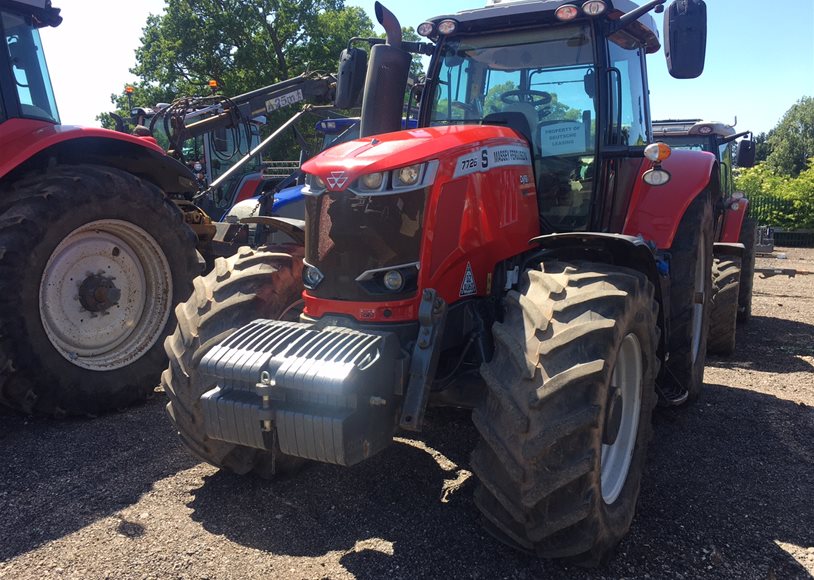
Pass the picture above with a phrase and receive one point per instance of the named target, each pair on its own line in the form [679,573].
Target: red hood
[21,139]
[392,150]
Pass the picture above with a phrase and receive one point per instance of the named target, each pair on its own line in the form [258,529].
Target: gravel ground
[728,491]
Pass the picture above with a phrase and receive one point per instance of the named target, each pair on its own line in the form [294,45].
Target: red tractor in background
[733,266]
[94,254]
[522,252]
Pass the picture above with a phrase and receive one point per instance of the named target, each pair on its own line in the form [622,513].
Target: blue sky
[760,57]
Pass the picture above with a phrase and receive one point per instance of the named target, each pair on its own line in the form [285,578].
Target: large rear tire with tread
[690,291]
[575,361]
[748,239]
[723,315]
[252,284]
[92,261]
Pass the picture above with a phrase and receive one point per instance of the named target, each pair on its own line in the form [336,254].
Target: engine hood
[393,150]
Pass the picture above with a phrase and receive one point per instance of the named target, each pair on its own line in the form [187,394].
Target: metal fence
[774,212]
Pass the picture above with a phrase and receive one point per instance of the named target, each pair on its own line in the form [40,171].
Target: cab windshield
[30,73]
[548,77]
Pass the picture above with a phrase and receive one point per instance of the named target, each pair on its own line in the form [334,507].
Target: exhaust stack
[390,24]
[386,80]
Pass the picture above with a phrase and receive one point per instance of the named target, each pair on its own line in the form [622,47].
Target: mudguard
[628,251]
[22,140]
[733,220]
[655,211]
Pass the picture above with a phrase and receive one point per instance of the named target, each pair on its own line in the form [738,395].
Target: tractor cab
[713,137]
[571,82]
[25,87]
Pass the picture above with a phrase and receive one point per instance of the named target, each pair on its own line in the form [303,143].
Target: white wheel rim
[105,295]
[615,458]
[698,300]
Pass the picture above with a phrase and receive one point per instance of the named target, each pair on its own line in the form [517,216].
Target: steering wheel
[539,99]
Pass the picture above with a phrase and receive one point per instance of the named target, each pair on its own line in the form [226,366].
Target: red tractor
[522,252]
[94,254]
[733,265]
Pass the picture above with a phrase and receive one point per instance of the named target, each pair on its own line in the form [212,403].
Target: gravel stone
[727,491]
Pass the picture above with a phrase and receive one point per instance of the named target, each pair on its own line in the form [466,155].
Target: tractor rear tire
[263,283]
[576,349]
[748,239]
[690,291]
[723,315]
[92,261]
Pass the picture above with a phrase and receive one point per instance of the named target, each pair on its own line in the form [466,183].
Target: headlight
[407,176]
[311,276]
[447,26]
[425,28]
[314,185]
[393,280]
[593,7]
[656,177]
[372,181]
[410,178]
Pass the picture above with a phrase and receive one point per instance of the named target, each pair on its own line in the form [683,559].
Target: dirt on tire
[726,491]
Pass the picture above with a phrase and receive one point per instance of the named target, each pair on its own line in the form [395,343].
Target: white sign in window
[564,138]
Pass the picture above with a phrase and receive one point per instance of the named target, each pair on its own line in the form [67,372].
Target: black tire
[252,284]
[543,421]
[40,211]
[683,373]
[723,309]
[748,239]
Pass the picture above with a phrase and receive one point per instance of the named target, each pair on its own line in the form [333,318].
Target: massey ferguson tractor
[526,251]
[94,255]
[733,265]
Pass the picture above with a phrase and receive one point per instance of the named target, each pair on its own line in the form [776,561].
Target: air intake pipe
[386,80]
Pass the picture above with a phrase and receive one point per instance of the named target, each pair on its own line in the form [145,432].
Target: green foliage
[778,200]
[242,44]
[792,141]
[762,147]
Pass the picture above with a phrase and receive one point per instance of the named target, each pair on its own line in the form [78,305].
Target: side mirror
[746,153]
[685,38]
[351,78]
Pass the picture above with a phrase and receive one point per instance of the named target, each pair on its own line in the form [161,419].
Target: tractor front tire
[723,315]
[567,418]
[690,291]
[748,239]
[92,261]
[263,283]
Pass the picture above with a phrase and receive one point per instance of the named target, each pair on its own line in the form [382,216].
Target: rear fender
[615,249]
[734,214]
[656,211]
[28,146]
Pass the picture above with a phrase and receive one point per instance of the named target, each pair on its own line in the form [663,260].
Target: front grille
[348,235]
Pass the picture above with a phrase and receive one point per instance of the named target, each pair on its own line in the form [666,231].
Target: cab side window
[628,78]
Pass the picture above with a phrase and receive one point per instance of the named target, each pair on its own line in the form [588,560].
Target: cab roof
[525,13]
[691,127]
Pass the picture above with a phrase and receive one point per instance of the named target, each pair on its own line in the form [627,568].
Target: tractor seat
[513,120]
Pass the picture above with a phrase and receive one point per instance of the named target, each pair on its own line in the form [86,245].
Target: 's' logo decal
[337,180]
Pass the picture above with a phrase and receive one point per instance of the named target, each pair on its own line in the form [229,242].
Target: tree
[242,44]
[762,147]
[792,141]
